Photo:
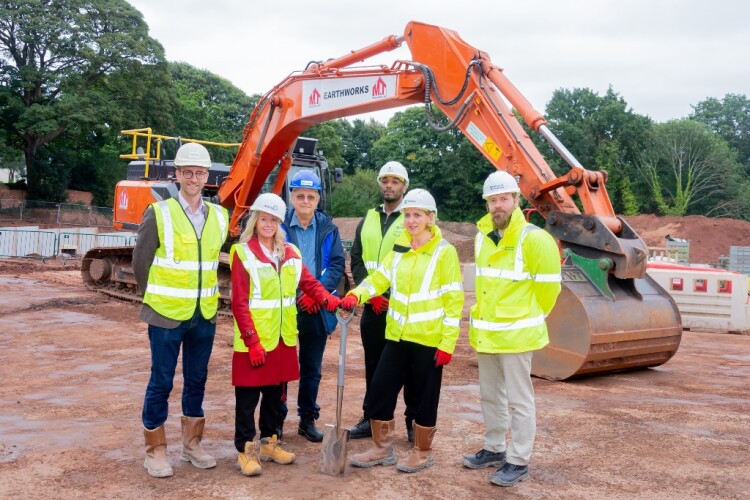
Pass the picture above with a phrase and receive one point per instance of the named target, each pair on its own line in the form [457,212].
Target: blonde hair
[279,238]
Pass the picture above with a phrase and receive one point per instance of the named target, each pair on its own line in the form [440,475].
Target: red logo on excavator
[380,89]
[314,99]
[122,200]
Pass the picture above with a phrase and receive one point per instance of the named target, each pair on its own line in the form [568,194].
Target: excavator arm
[610,315]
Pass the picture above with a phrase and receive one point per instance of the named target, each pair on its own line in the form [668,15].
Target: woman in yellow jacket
[422,327]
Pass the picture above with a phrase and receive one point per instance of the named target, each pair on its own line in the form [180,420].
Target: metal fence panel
[38,244]
[77,244]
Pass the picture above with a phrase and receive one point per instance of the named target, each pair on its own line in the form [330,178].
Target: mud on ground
[74,367]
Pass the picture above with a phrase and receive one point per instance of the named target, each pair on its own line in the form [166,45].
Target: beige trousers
[507,397]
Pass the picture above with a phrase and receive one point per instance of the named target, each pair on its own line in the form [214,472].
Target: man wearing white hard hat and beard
[266,272]
[517,283]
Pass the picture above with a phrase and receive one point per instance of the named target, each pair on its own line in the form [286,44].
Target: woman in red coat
[266,272]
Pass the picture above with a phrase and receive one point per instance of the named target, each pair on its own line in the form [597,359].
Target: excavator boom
[610,315]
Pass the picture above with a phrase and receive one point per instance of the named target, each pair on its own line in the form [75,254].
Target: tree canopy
[62,66]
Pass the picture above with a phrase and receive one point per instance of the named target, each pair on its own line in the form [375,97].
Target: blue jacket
[330,262]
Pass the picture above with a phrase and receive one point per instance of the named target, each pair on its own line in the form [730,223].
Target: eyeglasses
[199,174]
[303,197]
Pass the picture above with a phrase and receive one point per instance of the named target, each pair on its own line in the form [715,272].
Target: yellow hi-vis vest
[376,245]
[183,273]
[517,283]
[427,295]
[272,298]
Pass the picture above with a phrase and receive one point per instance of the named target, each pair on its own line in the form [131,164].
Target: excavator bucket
[601,323]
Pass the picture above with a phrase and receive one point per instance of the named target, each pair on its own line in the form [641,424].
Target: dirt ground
[74,367]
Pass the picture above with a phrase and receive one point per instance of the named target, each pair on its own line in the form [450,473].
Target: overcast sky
[661,56]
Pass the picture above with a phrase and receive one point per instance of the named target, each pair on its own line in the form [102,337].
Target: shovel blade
[334,449]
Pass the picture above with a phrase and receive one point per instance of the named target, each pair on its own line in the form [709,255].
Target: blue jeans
[196,336]
[312,343]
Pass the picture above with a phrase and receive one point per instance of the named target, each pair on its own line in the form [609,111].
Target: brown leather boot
[420,457]
[192,451]
[382,453]
[156,452]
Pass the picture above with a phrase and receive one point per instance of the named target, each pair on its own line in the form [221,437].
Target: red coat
[281,363]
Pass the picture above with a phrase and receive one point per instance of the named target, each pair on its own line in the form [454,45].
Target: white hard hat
[192,155]
[394,169]
[419,198]
[271,204]
[499,182]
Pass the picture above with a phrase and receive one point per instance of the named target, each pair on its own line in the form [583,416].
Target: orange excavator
[610,315]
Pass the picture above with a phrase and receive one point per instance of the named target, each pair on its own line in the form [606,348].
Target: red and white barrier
[708,299]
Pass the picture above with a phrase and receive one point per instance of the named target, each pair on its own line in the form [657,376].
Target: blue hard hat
[305,179]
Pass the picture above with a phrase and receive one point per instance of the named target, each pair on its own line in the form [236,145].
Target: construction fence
[53,243]
[45,212]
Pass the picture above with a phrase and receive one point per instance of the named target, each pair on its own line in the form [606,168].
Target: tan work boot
[420,457]
[156,453]
[192,451]
[270,449]
[248,461]
[382,453]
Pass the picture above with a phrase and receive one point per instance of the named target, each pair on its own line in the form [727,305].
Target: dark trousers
[246,399]
[372,330]
[312,344]
[196,337]
[411,366]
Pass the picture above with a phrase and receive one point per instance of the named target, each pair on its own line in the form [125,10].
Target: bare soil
[74,366]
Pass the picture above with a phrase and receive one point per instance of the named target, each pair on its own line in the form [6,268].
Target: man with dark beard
[517,283]
[373,240]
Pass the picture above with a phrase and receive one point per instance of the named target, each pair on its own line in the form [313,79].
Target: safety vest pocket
[511,311]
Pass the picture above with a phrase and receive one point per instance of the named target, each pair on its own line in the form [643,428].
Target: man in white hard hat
[175,262]
[373,240]
[517,283]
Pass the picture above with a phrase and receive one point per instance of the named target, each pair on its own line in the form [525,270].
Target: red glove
[255,349]
[349,303]
[307,304]
[442,358]
[331,303]
[379,304]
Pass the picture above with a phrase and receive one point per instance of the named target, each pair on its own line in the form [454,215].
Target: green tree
[358,141]
[603,133]
[358,193]
[691,170]
[730,118]
[63,63]
[209,108]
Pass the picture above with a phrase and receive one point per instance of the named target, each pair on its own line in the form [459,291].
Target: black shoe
[510,474]
[307,428]
[361,430]
[483,459]
[280,425]
[410,430]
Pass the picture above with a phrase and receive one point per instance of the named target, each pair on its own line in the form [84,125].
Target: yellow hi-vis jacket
[517,283]
[272,298]
[183,273]
[375,245]
[427,295]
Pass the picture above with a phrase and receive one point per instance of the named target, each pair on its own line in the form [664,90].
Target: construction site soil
[74,366]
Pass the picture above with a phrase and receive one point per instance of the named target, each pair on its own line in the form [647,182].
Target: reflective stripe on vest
[424,293]
[175,273]
[517,274]
[274,316]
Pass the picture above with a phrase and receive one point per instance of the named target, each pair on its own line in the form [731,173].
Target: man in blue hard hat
[315,234]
